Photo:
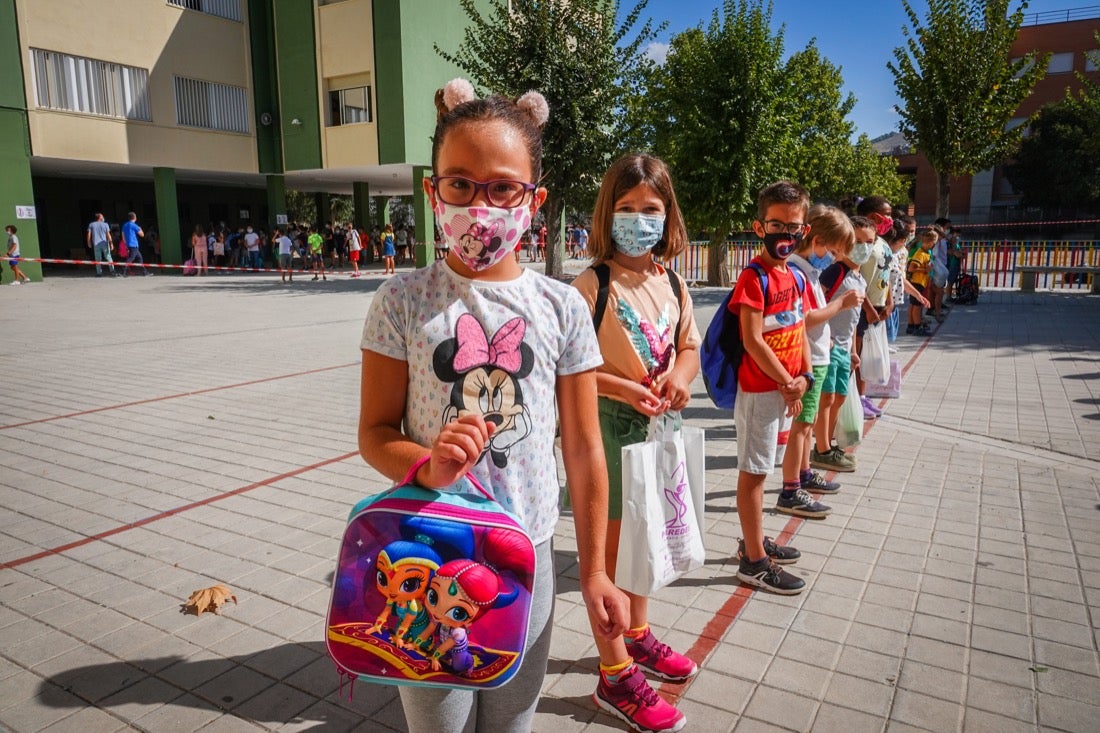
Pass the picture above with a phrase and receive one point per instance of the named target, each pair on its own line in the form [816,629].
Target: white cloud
[656,52]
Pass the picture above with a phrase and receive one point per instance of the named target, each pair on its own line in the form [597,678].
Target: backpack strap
[603,276]
[836,285]
[674,283]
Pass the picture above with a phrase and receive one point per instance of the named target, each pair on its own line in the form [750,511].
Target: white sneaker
[893,349]
[17,282]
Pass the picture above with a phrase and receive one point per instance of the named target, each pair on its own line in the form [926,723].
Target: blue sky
[859,36]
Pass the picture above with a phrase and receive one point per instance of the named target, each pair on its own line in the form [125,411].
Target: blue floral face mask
[636,234]
[820,263]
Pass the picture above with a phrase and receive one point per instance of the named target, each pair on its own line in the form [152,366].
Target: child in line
[316,244]
[650,346]
[774,375]
[829,228]
[437,337]
[920,269]
[899,282]
[389,249]
[14,256]
[286,247]
[355,246]
[852,249]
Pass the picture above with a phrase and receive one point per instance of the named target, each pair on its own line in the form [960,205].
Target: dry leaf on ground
[208,599]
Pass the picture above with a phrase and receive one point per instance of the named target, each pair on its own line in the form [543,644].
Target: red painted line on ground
[176,396]
[724,617]
[172,512]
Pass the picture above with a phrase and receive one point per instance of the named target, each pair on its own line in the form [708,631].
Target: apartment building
[197,111]
[1068,35]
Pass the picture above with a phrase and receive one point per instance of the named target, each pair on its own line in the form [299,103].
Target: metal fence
[993,261]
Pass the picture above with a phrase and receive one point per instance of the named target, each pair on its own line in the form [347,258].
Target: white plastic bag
[874,357]
[661,534]
[849,423]
[891,389]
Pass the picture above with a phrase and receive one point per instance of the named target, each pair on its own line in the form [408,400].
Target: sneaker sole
[821,491]
[831,467]
[800,512]
[609,708]
[650,671]
[749,580]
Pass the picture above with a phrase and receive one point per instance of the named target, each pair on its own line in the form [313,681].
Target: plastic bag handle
[410,477]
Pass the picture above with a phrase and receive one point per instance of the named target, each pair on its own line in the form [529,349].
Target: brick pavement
[162,434]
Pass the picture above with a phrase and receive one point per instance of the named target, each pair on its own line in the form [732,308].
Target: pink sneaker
[659,659]
[632,700]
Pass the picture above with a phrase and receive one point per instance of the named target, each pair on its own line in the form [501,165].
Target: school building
[1068,35]
[206,111]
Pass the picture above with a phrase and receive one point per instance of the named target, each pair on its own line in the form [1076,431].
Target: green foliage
[1058,165]
[714,104]
[959,86]
[729,116]
[589,70]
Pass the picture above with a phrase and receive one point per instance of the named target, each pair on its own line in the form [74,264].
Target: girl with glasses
[465,363]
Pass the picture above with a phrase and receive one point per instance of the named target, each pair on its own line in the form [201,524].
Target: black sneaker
[802,505]
[818,483]
[780,554]
[769,576]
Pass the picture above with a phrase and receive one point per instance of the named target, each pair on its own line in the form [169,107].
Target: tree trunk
[717,272]
[555,253]
[943,195]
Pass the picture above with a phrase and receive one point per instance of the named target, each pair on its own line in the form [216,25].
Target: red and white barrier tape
[1026,223]
[121,264]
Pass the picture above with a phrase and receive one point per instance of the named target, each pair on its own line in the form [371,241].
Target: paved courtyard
[163,434]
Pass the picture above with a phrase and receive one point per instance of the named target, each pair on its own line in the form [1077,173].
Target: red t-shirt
[783,328]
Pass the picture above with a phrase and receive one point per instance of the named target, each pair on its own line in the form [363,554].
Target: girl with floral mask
[649,341]
[464,364]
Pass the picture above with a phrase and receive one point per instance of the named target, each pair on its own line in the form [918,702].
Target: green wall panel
[296,51]
[16,186]
[405,33]
[265,88]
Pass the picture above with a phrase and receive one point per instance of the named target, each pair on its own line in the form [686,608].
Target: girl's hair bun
[457,91]
[534,106]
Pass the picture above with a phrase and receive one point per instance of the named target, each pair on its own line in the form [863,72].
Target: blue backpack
[722,349]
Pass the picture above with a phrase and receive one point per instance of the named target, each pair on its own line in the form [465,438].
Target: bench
[1028,273]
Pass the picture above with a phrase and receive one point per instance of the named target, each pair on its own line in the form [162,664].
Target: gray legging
[507,709]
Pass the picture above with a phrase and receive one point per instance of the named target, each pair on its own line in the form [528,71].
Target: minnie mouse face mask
[481,236]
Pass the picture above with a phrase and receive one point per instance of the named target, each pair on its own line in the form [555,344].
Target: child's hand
[851,299]
[675,393]
[855,360]
[455,451]
[794,408]
[643,400]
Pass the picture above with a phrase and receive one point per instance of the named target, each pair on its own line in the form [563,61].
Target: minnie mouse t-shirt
[494,349]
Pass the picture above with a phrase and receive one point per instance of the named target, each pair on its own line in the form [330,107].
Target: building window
[1060,63]
[230,9]
[1092,60]
[211,106]
[94,87]
[349,106]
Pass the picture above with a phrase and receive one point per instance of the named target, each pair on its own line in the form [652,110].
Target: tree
[960,88]
[715,103]
[815,112]
[1058,165]
[588,70]
[729,116]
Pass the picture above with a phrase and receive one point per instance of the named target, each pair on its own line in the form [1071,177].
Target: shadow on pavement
[219,684]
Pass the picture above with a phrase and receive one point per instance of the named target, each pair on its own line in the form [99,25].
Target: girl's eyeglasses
[502,192]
